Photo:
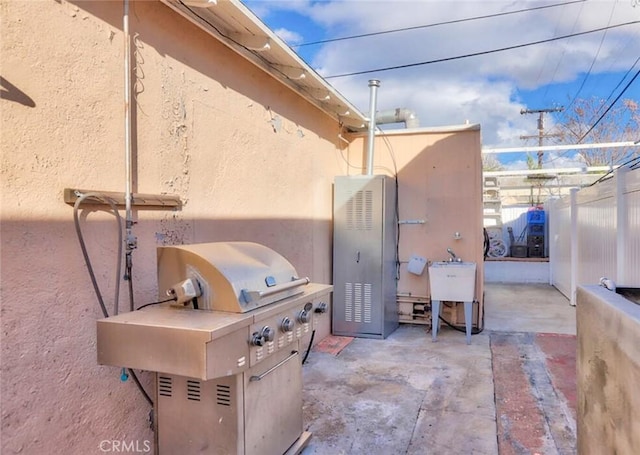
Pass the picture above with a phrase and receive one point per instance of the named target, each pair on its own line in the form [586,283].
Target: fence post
[621,225]
[574,244]
[551,207]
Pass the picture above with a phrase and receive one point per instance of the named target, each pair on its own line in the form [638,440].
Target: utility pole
[541,136]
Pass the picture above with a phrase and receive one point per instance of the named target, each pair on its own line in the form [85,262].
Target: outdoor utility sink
[453,281]
[631,294]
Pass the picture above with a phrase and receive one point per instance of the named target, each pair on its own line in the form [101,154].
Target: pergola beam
[549,148]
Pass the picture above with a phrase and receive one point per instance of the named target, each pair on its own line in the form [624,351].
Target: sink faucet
[453,256]
[608,284]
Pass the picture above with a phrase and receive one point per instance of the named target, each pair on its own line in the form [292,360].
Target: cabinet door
[357,260]
[273,404]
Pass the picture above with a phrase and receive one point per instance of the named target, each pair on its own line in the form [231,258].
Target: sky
[489,89]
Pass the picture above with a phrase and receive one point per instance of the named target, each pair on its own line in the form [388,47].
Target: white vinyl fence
[595,233]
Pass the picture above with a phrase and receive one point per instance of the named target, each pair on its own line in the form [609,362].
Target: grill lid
[233,276]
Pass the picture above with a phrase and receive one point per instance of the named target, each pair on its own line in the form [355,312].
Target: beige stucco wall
[440,186]
[608,372]
[250,159]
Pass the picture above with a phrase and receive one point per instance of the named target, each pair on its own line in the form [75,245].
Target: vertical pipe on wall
[127,107]
[373,95]
[130,239]
[127,117]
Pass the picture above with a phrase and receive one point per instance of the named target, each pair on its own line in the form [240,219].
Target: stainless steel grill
[228,374]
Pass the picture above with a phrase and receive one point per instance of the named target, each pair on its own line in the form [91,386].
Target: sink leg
[435,319]
[468,313]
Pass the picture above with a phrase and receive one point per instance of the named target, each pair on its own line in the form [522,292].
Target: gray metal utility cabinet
[364,256]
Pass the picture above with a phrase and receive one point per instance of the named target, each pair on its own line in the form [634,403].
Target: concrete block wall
[516,271]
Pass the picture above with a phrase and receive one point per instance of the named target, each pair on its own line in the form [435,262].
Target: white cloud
[484,89]
[289,36]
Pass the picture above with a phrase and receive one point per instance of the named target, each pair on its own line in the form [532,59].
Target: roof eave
[233,24]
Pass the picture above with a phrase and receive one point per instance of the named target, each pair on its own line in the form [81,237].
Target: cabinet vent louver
[360,211]
[165,386]
[223,395]
[358,302]
[193,390]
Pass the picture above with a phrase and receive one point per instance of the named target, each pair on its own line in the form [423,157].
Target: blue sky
[490,89]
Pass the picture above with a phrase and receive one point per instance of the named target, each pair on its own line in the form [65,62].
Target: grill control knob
[268,333]
[256,339]
[321,308]
[261,338]
[304,316]
[287,325]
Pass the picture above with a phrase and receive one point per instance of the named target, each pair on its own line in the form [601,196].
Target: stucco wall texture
[440,194]
[249,158]
[608,369]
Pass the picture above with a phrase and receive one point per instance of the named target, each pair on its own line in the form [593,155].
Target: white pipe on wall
[127,108]
[127,127]
[398,115]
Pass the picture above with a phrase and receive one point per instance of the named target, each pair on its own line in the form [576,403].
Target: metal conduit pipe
[127,106]
[128,196]
[398,115]
[373,96]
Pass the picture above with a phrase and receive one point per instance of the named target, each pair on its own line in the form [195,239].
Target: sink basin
[632,294]
[452,281]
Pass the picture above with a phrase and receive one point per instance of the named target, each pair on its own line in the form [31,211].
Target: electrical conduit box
[416,265]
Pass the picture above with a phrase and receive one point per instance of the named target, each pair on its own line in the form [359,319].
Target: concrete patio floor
[512,391]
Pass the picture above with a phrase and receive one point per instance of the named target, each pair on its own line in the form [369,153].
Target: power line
[475,54]
[561,154]
[607,110]
[595,58]
[454,21]
[610,106]
[631,163]
[564,50]
[615,88]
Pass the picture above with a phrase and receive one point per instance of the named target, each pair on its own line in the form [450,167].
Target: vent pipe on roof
[373,100]
[398,115]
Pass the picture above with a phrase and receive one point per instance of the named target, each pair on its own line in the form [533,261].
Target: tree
[620,124]
[491,163]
